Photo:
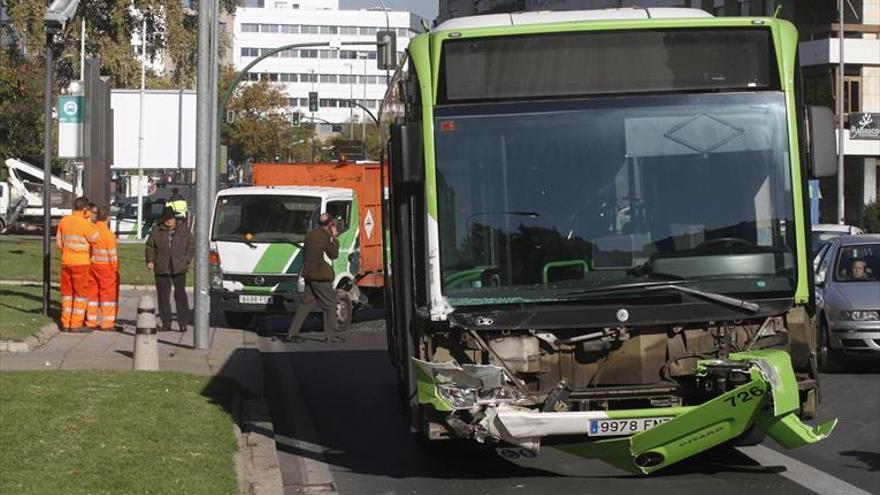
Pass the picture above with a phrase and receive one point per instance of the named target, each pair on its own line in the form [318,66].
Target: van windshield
[267,218]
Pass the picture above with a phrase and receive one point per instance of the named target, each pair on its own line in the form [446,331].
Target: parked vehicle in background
[848,298]
[823,233]
[257,235]
[123,212]
[21,197]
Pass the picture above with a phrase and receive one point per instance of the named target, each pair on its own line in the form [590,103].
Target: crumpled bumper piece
[721,419]
[782,424]
[769,400]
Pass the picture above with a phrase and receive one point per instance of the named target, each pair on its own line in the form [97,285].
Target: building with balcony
[338,73]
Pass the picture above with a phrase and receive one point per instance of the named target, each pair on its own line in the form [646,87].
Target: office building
[338,74]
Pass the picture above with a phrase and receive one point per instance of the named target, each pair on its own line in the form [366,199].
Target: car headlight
[860,315]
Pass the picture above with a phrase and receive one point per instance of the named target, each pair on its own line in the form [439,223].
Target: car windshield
[267,218]
[565,195]
[859,263]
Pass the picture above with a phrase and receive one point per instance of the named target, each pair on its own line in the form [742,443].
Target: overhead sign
[864,126]
[70,109]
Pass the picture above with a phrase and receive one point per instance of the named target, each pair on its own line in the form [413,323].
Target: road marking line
[802,474]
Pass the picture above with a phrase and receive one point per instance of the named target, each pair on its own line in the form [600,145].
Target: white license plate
[609,427]
[255,299]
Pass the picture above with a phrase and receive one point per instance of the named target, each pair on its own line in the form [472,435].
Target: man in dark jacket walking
[320,247]
[169,250]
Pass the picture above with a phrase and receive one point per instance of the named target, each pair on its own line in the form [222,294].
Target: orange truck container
[365,179]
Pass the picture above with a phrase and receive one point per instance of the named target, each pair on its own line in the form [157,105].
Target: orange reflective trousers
[75,286]
[103,296]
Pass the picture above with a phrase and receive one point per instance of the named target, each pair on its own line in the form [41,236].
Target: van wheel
[344,310]
[238,320]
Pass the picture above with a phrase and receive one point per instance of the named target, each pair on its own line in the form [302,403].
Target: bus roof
[547,17]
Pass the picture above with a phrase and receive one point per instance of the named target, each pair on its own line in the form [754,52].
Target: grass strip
[21,311]
[21,259]
[97,432]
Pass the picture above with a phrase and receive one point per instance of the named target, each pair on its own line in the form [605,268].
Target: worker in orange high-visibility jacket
[74,237]
[104,290]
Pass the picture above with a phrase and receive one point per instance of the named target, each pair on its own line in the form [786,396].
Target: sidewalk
[231,353]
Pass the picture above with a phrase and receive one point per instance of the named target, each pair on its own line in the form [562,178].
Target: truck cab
[256,249]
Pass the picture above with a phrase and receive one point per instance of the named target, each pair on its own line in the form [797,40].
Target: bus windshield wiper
[674,285]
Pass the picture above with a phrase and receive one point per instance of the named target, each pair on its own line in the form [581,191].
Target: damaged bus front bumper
[763,393]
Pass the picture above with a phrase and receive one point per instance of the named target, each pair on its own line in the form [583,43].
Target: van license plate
[255,299]
[609,427]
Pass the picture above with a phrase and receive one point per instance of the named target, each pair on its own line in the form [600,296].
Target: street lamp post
[363,116]
[350,98]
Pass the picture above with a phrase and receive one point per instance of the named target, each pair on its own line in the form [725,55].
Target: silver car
[848,298]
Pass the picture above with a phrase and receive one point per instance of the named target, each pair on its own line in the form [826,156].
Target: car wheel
[238,320]
[828,357]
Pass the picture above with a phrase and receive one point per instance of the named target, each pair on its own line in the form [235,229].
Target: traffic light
[386,50]
[295,119]
[230,116]
[313,101]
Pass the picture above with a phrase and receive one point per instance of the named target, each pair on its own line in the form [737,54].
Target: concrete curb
[262,468]
[39,338]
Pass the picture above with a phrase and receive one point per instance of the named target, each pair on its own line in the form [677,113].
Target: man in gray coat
[169,250]
[320,247]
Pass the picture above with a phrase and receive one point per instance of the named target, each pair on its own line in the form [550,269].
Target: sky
[423,8]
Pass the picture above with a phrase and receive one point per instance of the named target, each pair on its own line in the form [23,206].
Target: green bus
[597,235]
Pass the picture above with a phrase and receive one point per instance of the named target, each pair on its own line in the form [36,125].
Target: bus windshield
[560,195]
[268,218]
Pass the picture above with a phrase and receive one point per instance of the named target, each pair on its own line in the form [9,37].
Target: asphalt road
[340,427]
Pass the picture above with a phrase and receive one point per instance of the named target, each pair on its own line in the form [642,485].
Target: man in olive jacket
[320,247]
[169,250]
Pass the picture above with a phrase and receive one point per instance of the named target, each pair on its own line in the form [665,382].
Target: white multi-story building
[337,74]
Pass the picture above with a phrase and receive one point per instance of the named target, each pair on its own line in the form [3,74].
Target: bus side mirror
[821,142]
[406,153]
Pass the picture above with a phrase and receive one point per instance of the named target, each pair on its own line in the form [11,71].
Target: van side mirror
[407,165]
[821,142]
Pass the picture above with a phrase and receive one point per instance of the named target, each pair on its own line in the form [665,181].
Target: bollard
[146,341]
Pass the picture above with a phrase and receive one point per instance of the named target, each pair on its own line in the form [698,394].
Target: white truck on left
[21,196]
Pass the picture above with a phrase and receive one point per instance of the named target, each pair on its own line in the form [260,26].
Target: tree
[21,108]
[372,145]
[111,27]
[261,129]
[871,218]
